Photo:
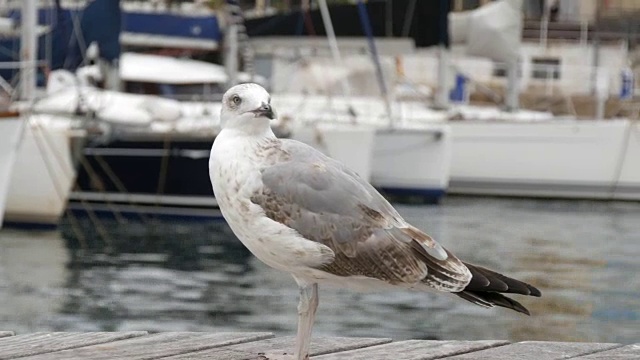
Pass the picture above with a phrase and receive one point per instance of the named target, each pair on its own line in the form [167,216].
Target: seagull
[304,213]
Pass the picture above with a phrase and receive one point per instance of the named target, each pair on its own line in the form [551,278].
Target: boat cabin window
[500,69]
[545,68]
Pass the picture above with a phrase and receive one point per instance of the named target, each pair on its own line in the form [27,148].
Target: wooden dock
[260,346]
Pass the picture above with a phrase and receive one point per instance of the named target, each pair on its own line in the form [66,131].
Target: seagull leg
[306,316]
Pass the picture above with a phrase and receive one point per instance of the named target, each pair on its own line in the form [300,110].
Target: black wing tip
[530,290]
[516,306]
[486,286]
[534,291]
[485,280]
[490,299]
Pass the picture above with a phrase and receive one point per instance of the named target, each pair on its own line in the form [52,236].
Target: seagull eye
[235,99]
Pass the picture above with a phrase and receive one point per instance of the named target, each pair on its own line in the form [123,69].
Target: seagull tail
[486,288]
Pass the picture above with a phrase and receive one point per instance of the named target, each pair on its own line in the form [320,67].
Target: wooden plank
[629,352]
[43,343]
[153,346]
[537,350]
[280,346]
[414,349]
[6,333]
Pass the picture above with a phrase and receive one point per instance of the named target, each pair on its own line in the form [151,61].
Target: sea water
[124,274]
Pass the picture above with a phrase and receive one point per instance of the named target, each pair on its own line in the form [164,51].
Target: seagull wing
[327,203]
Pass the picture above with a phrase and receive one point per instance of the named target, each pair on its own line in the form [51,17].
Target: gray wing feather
[328,203]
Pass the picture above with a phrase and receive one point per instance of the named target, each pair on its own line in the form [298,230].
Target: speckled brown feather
[329,204]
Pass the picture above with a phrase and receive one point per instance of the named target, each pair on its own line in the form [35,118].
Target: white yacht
[36,168]
[10,132]
[43,173]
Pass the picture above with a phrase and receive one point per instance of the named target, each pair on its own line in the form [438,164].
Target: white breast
[234,169]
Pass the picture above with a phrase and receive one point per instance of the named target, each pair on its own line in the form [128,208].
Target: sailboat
[509,151]
[407,158]
[552,157]
[11,126]
[36,167]
[163,138]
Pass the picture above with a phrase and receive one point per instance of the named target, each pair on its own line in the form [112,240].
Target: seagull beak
[265,110]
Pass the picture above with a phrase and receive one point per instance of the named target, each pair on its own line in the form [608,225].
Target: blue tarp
[193,27]
[101,21]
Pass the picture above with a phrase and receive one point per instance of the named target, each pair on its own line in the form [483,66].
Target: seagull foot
[279,356]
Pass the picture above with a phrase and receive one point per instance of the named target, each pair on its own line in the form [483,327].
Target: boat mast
[513,78]
[512,100]
[441,99]
[333,43]
[366,25]
[28,50]
[231,54]
[236,44]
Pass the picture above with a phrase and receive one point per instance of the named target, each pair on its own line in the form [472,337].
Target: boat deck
[259,345]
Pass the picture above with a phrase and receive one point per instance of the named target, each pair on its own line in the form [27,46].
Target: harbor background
[112,152]
[195,276]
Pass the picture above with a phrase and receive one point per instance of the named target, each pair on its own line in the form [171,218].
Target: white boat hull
[351,145]
[565,159]
[42,177]
[413,161]
[628,185]
[10,131]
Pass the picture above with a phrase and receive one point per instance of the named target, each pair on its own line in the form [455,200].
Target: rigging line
[100,228]
[37,132]
[95,178]
[6,86]
[366,25]
[48,50]
[96,222]
[162,176]
[408,18]
[77,35]
[77,25]
[75,228]
[335,50]
[10,52]
[120,186]
[58,157]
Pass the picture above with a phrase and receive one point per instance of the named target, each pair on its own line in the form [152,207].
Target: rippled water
[160,276]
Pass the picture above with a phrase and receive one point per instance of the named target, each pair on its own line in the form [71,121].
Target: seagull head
[246,107]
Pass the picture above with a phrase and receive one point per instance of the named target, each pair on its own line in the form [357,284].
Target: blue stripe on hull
[426,195]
